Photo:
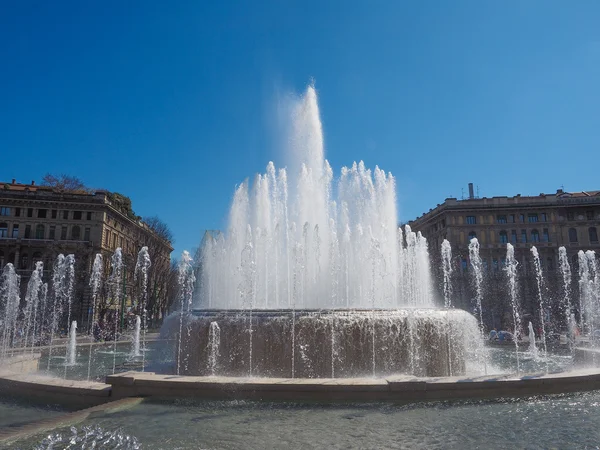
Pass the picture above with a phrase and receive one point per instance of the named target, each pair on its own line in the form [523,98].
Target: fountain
[294,299]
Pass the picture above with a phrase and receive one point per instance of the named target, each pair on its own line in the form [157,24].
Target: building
[548,221]
[37,223]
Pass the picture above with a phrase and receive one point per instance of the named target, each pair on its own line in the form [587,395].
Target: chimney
[33,182]
[471,194]
[14,181]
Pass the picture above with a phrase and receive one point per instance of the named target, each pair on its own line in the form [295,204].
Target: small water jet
[532,348]
[72,345]
[135,345]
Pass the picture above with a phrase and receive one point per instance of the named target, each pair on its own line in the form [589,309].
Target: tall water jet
[10,299]
[565,270]
[115,281]
[95,284]
[447,268]
[63,279]
[141,270]
[539,282]
[477,266]
[186,279]
[511,272]
[594,288]
[32,298]
[135,347]
[214,341]
[72,345]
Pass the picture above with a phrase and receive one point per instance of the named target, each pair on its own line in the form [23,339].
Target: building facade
[37,223]
[546,221]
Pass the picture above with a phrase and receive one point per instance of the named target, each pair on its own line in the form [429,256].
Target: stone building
[37,223]
[548,221]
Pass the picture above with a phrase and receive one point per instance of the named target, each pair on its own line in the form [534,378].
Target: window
[593,234]
[54,213]
[544,217]
[63,233]
[27,231]
[52,233]
[4,211]
[24,261]
[15,233]
[532,218]
[513,236]
[3,230]
[464,265]
[522,218]
[86,234]
[75,233]
[503,237]
[523,236]
[572,235]
[511,218]
[495,264]
[1,259]
[546,235]
[65,215]
[471,220]
[443,223]
[535,236]
[29,212]
[76,215]
[89,215]
[40,230]
[501,219]
[17,212]
[590,215]
[472,235]
[42,213]
[550,264]
[570,215]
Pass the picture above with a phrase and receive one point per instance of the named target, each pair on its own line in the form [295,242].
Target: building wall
[49,223]
[546,221]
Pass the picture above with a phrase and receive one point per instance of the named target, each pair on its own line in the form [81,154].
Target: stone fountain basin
[326,343]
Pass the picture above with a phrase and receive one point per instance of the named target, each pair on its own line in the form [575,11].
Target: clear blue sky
[172,103]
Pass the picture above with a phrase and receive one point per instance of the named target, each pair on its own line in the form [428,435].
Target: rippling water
[550,422]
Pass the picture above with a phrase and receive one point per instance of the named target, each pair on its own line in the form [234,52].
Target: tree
[159,227]
[65,183]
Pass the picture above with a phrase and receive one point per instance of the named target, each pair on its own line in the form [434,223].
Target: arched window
[472,235]
[503,237]
[40,231]
[593,232]
[75,233]
[572,235]
[535,236]
[3,230]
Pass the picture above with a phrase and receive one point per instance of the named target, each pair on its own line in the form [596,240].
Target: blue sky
[174,103]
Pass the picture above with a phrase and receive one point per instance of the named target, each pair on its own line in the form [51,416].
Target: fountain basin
[325,343]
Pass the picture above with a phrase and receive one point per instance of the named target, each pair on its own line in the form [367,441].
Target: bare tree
[65,183]
[160,228]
